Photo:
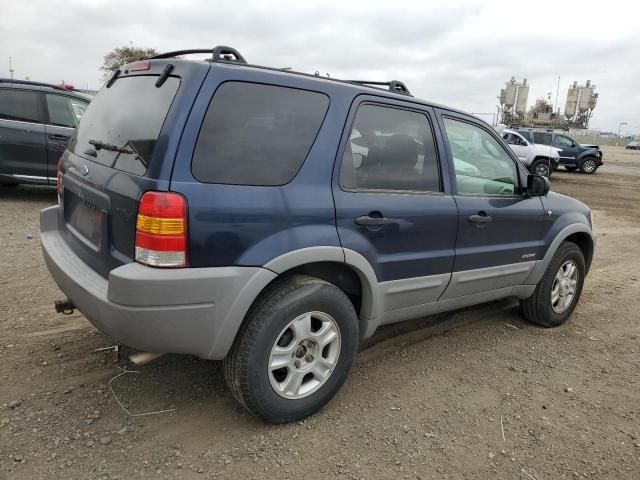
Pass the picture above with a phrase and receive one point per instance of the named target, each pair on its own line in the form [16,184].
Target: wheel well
[339,274]
[585,243]
[540,157]
[342,275]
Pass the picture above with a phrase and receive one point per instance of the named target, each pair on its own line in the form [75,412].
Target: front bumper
[189,310]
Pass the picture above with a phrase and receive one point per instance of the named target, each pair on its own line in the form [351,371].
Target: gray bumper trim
[193,310]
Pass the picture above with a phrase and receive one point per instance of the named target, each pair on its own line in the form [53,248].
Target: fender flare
[541,265]
[592,152]
[371,306]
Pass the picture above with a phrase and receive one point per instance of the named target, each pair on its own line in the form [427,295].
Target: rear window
[256,134]
[121,125]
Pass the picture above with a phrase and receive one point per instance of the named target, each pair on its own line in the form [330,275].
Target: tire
[268,336]
[589,165]
[571,168]
[540,308]
[541,167]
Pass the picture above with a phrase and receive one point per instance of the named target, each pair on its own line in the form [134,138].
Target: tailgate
[124,146]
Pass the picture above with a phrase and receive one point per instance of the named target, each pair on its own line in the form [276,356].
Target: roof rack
[395,86]
[36,84]
[223,53]
[219,53]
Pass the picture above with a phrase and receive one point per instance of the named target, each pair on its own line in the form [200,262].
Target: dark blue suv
[36,121]
[272,219]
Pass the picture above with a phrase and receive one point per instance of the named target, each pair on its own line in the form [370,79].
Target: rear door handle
[480,219]
[369,221]
[55,136]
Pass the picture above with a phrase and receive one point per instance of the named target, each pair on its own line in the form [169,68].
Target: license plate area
[83,220]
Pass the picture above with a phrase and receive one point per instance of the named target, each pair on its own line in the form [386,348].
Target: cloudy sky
[458,53]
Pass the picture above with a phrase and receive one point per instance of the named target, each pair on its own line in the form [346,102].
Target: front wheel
[589,165]
[558,292]
[541,167]
[294,351]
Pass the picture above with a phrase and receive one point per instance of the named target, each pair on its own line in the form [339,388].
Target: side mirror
[537,185]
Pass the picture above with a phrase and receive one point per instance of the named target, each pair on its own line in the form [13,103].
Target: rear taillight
[161,230]
[59,181]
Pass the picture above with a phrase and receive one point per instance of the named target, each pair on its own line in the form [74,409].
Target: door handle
[55,136]
[481,218]
[371,221]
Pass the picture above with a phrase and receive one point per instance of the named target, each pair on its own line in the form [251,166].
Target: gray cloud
[456,53]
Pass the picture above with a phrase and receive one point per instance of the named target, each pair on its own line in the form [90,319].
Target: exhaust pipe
[65,307]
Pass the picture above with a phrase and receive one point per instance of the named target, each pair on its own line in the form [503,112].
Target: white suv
[539,159]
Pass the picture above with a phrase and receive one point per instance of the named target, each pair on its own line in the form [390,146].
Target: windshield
[120,127]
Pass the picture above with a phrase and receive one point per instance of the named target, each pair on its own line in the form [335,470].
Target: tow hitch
[64,306]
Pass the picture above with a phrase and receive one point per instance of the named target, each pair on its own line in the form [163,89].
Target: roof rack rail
[219,53]
[395,86]
[36,84]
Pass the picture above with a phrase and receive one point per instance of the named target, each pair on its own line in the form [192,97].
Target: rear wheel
[541,167]
[589,165]
[558,292]
[295,350]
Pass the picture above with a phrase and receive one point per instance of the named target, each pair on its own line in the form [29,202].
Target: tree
[121,55]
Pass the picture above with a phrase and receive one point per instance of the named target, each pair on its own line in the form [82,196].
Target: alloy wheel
[563,290]
[304,355]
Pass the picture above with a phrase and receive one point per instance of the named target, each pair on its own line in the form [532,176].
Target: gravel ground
[476,394]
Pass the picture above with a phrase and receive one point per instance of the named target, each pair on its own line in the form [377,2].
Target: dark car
[36,122]
[573,155]
[273,219]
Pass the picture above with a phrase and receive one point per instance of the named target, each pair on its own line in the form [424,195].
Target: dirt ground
[476,394]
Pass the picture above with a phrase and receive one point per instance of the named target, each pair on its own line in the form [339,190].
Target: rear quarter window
[255,134]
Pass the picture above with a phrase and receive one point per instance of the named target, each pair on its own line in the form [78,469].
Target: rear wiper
[98,145]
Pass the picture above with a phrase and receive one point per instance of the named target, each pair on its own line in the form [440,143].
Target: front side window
[542,138]
[18,105]
[513,139]
[562,141]
[482,166]
[255,134]
[390,149]
[64,111]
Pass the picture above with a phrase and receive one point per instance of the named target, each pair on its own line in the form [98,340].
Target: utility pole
[619,130]
[10,69]
[620,127]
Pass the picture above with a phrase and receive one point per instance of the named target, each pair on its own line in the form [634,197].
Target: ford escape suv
[272,219]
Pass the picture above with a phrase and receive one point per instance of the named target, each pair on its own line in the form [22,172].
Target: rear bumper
[191,310]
